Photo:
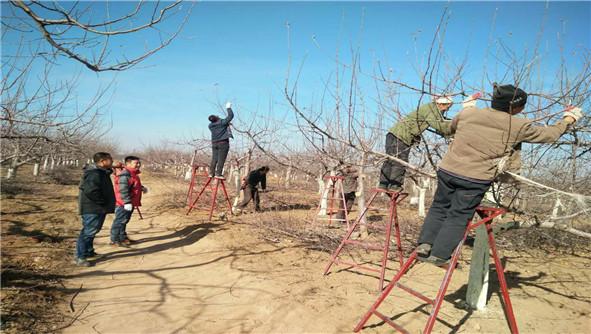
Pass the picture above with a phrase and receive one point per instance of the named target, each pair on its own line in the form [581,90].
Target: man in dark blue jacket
[96,199]
[220,141]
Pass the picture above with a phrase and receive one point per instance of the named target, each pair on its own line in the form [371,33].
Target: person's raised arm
[228,119]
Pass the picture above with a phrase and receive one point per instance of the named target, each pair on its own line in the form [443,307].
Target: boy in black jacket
[96,199]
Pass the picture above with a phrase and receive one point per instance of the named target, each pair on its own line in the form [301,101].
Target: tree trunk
[288,176]
[324,198]
[361,187]
[45,163]
[479,271]
[36,169]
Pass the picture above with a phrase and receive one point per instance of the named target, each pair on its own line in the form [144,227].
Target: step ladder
[486,217]
[213,183]
[336,201]
[199,175]
[394,198]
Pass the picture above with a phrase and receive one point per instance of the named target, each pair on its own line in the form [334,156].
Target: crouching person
[350,176]
[96,199]
[128,192]
[251,190]
[484,138]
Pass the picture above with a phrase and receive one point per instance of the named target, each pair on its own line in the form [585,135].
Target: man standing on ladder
[220,141]
[404,134]
[483,142]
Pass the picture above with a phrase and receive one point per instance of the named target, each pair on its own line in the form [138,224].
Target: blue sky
[239,51]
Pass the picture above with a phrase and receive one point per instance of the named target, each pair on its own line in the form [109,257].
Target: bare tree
[86,32]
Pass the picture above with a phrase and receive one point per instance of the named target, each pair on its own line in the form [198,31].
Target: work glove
[145,190]
[470,101]
[128,207]
[228,105]
[573,112]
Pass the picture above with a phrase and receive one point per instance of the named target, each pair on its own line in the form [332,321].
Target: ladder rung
[390,322]
[364,245]
[416,293]
[337,261]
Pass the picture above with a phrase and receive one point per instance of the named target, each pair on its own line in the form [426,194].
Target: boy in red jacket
[128,195]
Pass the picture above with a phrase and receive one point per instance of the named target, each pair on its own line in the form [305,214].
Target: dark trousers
[219,153]
[453,206]
[119,226]
[392,173]
[251,193]
[91,225]
[349,199]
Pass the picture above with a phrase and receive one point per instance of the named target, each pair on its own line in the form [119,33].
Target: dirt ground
[188,275]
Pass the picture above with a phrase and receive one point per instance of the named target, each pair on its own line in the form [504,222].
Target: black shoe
[423,251]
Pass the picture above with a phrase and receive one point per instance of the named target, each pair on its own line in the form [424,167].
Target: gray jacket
[220,130]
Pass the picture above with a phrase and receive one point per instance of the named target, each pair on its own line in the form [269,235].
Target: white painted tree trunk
[288,176]
[247,164]
[53,163]
[11,173]
[36,169]
[320,181]
[324,198]
[45,163]
[414,199]
[422,192]
[557,206]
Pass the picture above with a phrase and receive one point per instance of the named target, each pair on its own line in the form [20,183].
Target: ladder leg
[346,210]
[331,205]
[386,291]
[191,186]
[336,253]
[444,285]
[387,243]
[226,195]
[198,196]
[397,231]
[214,198]
[503,283]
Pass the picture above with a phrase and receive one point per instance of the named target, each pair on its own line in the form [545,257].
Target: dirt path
[189,276]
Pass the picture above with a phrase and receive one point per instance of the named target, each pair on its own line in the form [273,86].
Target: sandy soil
[186,275]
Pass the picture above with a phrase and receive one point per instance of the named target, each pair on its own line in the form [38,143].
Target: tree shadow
[18,228]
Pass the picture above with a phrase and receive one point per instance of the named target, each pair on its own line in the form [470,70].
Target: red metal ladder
[334,187]
[197,172]
[394,199]
[218,182]
[487,215]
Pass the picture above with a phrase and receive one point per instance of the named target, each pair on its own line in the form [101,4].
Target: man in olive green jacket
[404,134]
[484,141]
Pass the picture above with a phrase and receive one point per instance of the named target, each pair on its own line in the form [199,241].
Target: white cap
[444,100]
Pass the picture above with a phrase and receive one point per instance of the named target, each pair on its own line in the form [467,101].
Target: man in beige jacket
[483,138]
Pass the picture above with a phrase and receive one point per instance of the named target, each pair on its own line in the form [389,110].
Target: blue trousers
[122,217]
[91,225]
